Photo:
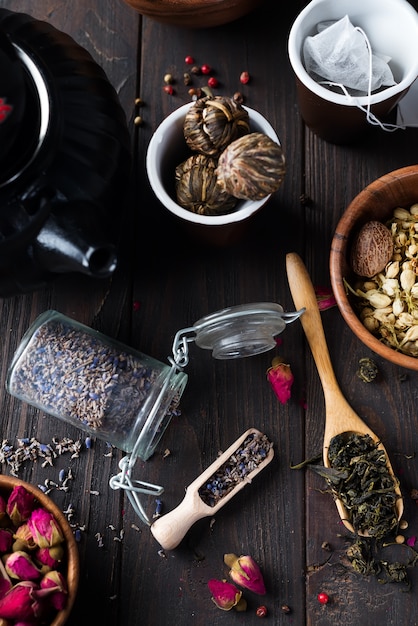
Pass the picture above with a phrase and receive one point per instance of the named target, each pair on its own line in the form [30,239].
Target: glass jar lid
[244,330]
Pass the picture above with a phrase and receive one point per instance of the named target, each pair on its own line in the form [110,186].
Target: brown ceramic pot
[376,202]
[194,13]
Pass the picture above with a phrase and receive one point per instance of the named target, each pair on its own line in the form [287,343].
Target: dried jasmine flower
[388,301]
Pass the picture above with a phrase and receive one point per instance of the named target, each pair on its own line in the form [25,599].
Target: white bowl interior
[168,148]
[391,27]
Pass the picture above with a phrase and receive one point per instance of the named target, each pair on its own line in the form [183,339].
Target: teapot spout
[71,241]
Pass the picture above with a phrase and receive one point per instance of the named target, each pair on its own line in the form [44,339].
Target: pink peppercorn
[168,89]
[261,611]
[244,78]
[206,69]
[212,82]
[323,598]
[189,60]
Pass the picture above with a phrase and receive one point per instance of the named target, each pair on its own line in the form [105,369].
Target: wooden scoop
[170,529]
[339,416]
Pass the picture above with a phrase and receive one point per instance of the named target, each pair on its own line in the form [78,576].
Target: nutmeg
[372,249]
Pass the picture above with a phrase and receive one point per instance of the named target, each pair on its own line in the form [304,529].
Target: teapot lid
[12,95]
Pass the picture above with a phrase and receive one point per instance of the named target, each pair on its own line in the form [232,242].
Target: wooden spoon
[339,416]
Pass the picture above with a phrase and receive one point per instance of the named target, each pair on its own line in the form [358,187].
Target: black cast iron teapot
[65,158]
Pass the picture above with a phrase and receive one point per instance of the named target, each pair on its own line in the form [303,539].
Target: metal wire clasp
[123,480]
[180,349]
[134,487]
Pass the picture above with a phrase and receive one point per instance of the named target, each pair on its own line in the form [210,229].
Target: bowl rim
[338,261]
[73,558]
[241,213]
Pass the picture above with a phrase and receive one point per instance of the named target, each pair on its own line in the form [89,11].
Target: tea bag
[340,55]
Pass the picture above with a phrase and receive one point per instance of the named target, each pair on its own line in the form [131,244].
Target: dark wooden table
[284,517]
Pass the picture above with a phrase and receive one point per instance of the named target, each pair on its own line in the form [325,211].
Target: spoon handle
[303,295]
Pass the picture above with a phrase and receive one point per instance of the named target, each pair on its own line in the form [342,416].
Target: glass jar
[96,383]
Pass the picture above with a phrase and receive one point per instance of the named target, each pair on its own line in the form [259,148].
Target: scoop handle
[170,529]
[303,294]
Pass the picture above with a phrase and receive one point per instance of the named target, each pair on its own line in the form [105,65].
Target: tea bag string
[370,117]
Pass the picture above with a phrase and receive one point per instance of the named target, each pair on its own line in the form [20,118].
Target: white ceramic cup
[392,29]
[167,149]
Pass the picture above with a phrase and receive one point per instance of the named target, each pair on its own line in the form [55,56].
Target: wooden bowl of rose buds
[374,266]
[39,563]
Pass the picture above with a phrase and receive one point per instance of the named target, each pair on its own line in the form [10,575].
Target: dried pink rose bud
[20,602]
[20,505]
[6,541]
[44,528]
[325,298]
[225,595]
[4,518]
[51,557]
[5,585]
[55,581]
[23,538]
[20,566]
[281,379]
[245,572]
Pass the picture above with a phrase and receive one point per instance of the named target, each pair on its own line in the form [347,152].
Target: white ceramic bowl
[167,149]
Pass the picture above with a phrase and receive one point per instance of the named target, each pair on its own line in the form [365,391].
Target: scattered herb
[247,457]
[359,477]
[367,370]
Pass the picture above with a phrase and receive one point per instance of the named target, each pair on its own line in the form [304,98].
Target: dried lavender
[70,371]
[245,459]
[30,449]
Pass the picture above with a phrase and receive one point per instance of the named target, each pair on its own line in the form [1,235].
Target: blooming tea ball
[212,123]
[197,189]
[251,167]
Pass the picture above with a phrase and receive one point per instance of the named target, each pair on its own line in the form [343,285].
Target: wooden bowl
[376,202]
[194,13]
[72,568]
